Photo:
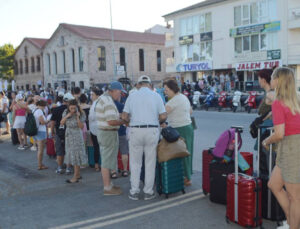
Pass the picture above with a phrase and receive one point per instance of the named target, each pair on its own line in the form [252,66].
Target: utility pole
[112,43]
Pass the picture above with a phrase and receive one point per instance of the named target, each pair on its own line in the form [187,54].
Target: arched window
[21,67]
[80,57]
[122,57]
[26,65]
[158,60]
[101,58]
[49,64]
[55,63]
[38,64]
[32,65]
[141,60]
[16,68]
[64,61]
[73,59]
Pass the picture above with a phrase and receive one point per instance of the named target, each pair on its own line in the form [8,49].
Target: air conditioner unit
[296,13]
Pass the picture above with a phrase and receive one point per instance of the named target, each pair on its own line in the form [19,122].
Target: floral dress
[74,143]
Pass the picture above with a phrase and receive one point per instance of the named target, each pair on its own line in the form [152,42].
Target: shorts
[123,145]
[41,135]
[59,146]
[19,122]
[4,115]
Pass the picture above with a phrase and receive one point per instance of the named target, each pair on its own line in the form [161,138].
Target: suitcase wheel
[167,196]
[205,193]
[183,191]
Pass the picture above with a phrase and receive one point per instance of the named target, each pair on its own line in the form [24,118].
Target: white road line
[77,224]
[118,220]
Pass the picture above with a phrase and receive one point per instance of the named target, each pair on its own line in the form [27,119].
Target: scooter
[236,100]
[222,100]
[251,101]
[208,102]
[196,98]
[188,95]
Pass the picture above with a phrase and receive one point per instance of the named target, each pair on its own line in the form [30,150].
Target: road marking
[77,224]
[118,220]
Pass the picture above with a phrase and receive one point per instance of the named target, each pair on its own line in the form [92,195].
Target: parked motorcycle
[196,98]
[209,101]
[222,100]
[251,101]
[236,100]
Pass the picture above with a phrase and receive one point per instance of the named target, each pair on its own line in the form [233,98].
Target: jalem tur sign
[258,65]
[186,40]
[194,66]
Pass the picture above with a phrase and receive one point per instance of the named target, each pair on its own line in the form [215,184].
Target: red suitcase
[243,196]
[207,157]
[249,158]
[50,148]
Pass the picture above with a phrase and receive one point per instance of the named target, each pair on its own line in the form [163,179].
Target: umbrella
[13,85]
[5,85]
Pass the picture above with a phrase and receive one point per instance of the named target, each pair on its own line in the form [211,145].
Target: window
[195,24]
[158,60]
[21,67]
[32,65]
[272,10]
[64,61]
[62,41]
[263,41]
[246,15]
[238,45]
[141,60]
[25,50]
[246,43]
[272,41]
[101,58]
[81,84]
[27,87]
[26,66]
[183,51]
[196,52]
[254,43]
[122,58]
[237,16]
[73,59]
[55,63]
[80,57]
[208,27]
[49,64]
[254,17]
[16,68]
[38,67]
[206,50]
[33,87]
[49,85]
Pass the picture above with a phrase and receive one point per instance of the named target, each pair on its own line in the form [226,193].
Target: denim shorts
[41,135]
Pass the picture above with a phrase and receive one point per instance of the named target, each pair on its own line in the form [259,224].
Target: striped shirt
[106,110]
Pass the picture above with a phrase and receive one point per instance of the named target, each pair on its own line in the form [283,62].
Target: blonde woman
[286,118]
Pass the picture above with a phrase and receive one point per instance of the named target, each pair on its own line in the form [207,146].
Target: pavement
[41,199]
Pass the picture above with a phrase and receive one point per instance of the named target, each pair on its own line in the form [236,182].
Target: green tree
[7,52]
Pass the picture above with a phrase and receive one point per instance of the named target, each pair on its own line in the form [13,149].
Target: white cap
[19,97]
[144,79]
[61,93]
[68,96]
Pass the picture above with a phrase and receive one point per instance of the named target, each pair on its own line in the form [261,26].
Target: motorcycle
[209,101]
[236,100]
[188,95]
[251,101]
[196,98]
[222,100]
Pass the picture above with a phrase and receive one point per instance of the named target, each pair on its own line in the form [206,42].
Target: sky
[40,18]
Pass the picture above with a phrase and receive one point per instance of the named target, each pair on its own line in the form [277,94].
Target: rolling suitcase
[243,196]
[169,177]
[218,180]
[91,158]
[14,136]
[51,148]
[271,209]
[207,157]
[249,158]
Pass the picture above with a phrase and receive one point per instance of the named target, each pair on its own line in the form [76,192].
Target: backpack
[226,143]
[30,128]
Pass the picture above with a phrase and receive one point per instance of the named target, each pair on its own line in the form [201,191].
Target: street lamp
[112,43]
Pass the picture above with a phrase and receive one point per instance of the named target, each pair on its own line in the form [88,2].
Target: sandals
[187,182]
[97,169]
[72,182]
[42,167]
[125,173]
[113,175]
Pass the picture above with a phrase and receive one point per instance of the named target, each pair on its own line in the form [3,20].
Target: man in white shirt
[146,111]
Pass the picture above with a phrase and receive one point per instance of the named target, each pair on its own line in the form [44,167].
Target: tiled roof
[39,42]
[195,6]
[119,35]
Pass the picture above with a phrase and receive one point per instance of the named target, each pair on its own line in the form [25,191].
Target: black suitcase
[14,136]
[271,209]
[218,172]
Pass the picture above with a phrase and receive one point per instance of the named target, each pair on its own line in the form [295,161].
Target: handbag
[255,125]
[61,131]
[170,150]
[170,134]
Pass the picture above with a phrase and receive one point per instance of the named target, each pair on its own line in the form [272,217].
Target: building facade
[234,36]
[28,66]
[83,56]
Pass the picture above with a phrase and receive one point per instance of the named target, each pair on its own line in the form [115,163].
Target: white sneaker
[284,225]
[21,148]
[33,148]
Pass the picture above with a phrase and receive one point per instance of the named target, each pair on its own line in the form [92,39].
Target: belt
[109,129]
[145,126]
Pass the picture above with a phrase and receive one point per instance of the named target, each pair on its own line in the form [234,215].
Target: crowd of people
[114,121]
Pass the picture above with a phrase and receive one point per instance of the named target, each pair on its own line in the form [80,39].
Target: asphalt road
[41,199]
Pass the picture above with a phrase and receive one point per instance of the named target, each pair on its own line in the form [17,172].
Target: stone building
[29,72]
[82,56]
